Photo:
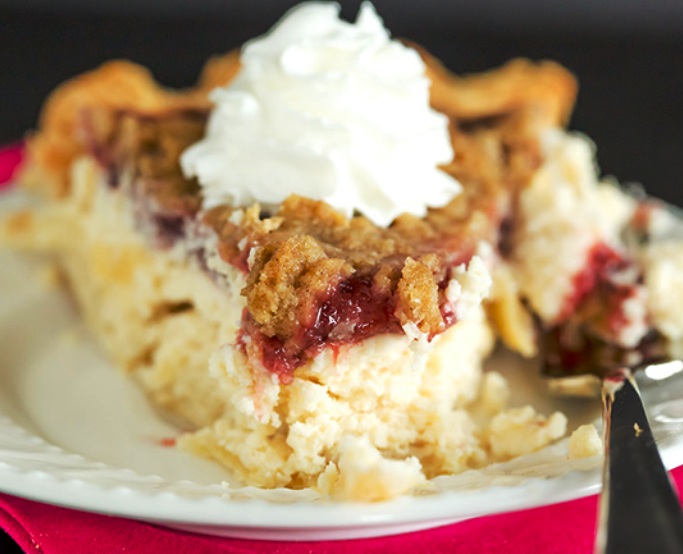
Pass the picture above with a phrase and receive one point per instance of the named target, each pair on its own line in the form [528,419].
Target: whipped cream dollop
[330,110]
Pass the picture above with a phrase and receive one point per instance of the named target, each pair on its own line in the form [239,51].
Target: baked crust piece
[115,86]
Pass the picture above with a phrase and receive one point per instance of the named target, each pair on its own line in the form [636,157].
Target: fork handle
[639,508]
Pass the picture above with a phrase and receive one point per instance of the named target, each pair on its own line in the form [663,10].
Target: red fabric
[10,158]
[562,529]
[567,528]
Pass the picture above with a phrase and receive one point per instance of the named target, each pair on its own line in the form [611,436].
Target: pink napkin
[560,529]
[10,158]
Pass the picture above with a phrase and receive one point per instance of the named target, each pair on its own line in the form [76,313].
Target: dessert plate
[76,432]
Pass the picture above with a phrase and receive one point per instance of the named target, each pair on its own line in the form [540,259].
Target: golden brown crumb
[418,297]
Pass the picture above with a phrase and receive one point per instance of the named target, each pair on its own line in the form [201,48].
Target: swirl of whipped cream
[329,110]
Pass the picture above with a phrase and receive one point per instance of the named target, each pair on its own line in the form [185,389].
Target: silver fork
[639,509]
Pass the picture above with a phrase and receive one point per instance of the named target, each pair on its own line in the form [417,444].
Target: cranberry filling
[353,311]
[585,337]
[350,313]
[600,277]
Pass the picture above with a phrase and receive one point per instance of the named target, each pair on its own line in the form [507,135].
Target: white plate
[76,432]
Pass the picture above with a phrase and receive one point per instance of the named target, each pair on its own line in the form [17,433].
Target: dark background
[627,55]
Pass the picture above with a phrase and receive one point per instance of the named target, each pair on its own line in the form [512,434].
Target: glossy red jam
[600,277]
[352,312]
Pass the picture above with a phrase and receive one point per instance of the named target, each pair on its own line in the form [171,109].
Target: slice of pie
[302,345]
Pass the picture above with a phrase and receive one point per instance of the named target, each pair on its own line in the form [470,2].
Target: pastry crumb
[520,431]
[584,442]
[363,474]
[495,393]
